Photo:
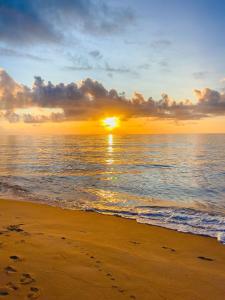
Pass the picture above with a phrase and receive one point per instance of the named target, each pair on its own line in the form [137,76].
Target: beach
[112,161]
[53,253]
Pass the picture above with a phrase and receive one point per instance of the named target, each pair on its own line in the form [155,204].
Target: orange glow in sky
[129,126]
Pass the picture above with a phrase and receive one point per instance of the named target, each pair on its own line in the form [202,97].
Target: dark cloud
[82,64]
[79,63]
[24,22]
[14,53]
[111,69]
[210,102]
[27,21]
[96,54]
[89,99]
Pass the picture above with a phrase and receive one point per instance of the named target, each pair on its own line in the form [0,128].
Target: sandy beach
[50,253]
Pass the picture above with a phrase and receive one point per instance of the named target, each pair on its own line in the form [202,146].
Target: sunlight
[110,123]
[110,160]
[110,139]
[110,143]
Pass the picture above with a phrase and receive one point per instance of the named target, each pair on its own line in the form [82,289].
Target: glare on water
[162,179]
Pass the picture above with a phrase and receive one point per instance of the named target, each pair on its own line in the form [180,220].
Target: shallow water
[175,181]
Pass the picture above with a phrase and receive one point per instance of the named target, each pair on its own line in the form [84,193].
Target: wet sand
[48,253]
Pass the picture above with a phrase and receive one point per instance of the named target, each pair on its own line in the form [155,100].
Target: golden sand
[48,253]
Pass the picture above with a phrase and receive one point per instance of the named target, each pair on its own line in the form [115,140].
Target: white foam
[180,219]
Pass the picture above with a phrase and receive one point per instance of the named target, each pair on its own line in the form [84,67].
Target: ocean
[173,181]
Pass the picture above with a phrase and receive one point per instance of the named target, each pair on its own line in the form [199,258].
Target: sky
[157,64]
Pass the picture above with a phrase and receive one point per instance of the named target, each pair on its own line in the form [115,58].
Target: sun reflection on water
[110,159]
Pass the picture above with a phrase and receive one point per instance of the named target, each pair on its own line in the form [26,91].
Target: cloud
[79,63]
[164,65]
[145,66]
[82,64]
[200,75]
[111,69]
[25,22]
[78,68]
[210,102]
[161,44]
[7,84]
[89,99]
[96,54]
[14,53]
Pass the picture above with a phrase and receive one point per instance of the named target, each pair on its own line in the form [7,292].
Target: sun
[110,123]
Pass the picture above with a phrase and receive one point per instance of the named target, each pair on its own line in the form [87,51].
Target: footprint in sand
[118,288]
[12,286]
[15,258]
[15,228]
[26,279]
[34,293]
[205,258]
[10,270]
[114,286]
[110,276]
[168,248]
[4,292]
[135,242]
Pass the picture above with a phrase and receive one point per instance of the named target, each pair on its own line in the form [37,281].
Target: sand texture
[49,253]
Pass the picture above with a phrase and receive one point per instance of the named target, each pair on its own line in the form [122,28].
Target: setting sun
[110,123]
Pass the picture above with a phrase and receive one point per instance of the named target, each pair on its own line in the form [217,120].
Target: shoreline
[116,214]
[74,254]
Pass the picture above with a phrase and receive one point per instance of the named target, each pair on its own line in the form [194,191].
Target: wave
[154,166]
[177,218]
[13,188]
[180,219]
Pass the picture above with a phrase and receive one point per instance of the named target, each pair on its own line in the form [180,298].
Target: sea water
[174,181]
